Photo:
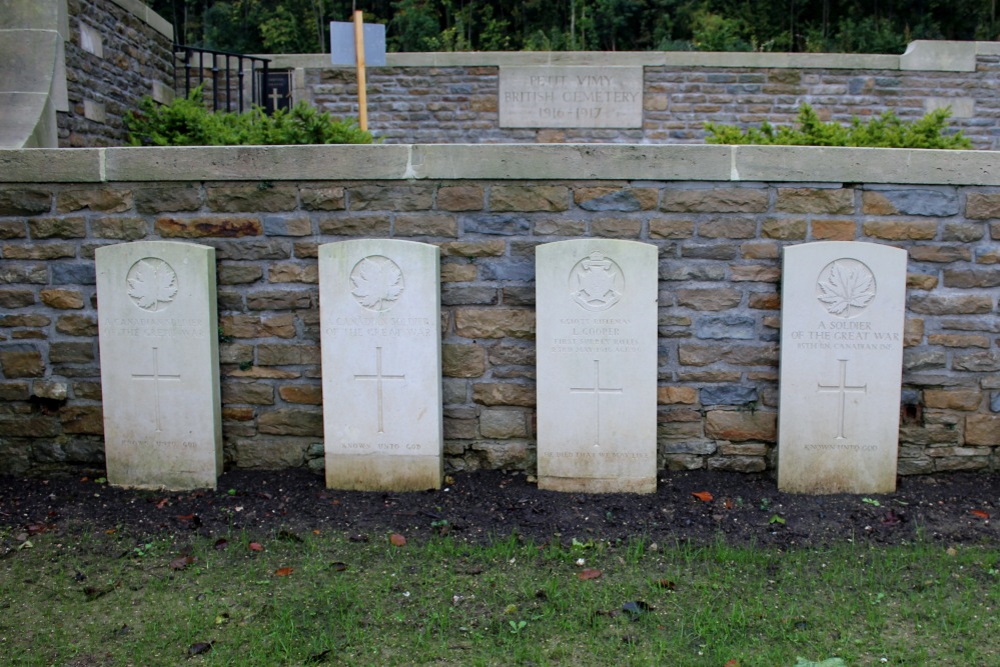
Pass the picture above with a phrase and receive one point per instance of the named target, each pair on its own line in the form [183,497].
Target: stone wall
[718,215]
[453,97]
[118,51]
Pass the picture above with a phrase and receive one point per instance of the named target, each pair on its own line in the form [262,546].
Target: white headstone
[159,364]
[571,97]
[842,313]
[596,303]
[381,338]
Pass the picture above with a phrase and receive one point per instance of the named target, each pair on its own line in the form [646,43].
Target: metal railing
[215,70]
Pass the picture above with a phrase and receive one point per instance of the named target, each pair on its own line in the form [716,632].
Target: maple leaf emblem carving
[151,282]
[377,282]
[846,287]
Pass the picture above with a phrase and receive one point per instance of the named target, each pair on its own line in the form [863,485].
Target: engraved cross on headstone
[156,376]
[843,389]
[597,390]
[275,98]
[379,377]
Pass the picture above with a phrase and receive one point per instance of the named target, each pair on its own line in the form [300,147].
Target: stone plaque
[571,97]
[159,364]
[596,347]
[842,313]
[380,318]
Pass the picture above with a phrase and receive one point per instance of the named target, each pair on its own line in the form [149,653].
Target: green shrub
[884,131]
[187,122]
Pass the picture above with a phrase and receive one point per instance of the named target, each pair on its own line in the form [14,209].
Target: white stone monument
[571,96]
[380,319]
[842,313]
[159,364]
[596,348]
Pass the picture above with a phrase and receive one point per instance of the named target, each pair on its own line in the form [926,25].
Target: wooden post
[359,55]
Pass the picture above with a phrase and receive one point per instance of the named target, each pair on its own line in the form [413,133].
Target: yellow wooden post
[359,54]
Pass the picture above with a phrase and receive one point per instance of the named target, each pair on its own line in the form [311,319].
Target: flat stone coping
[926,55]
[520,162]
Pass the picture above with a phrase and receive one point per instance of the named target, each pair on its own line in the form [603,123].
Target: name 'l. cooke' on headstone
[380,319]
[158,333]
[570,97]
[842,313]
[596,347]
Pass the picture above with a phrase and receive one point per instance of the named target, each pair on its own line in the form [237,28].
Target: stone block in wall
[390,198]
[921,281]
[494,323]
[815,200]
[741,425]
[510,198]
[502,424]
[280,300]
[462,360]
[291,421]
[933,304]
[458,273]
[16,298]
[900,230]
[270,453]
[323,198]
[499,393]
[262,198]
[103,200]
[301,394]
[713,299]
[77,325]
[12,229]
[120,228]
[200,227]
[611,198]
[963,232]
[982,429]
[743,464]
[489,248]
[676,395]
[21,361]
[982,206]
[82,419]
[784,229]
[280,225]
[953,399]
[935,203]
[834,230]
[460,198]
[24,201]
[714,200]
[167,199]
[64,299]
[670,228]
[355,225]
[57,228]
[727,228]
[39,251]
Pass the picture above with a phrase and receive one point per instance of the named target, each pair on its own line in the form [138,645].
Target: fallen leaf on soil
[979,513]
[589,573]
[732,663]
[199,647]
[703,496]
[667,584]
[255,546]
[338,566]
[891,518]
[316,531]
[951,551]
[728,503]
[111,531]
[182,562]
[283,571]
[162,502]
[397,540]
[221,543]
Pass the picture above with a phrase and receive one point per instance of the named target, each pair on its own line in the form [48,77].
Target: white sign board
[342,44]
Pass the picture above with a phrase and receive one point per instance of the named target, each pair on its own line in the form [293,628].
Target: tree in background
[853,26]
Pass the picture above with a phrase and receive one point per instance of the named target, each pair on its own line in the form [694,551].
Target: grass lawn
[298,599]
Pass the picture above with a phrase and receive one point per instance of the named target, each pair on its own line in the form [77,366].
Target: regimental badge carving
[596,282]
[845,287]
[376,283]
[152,284]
